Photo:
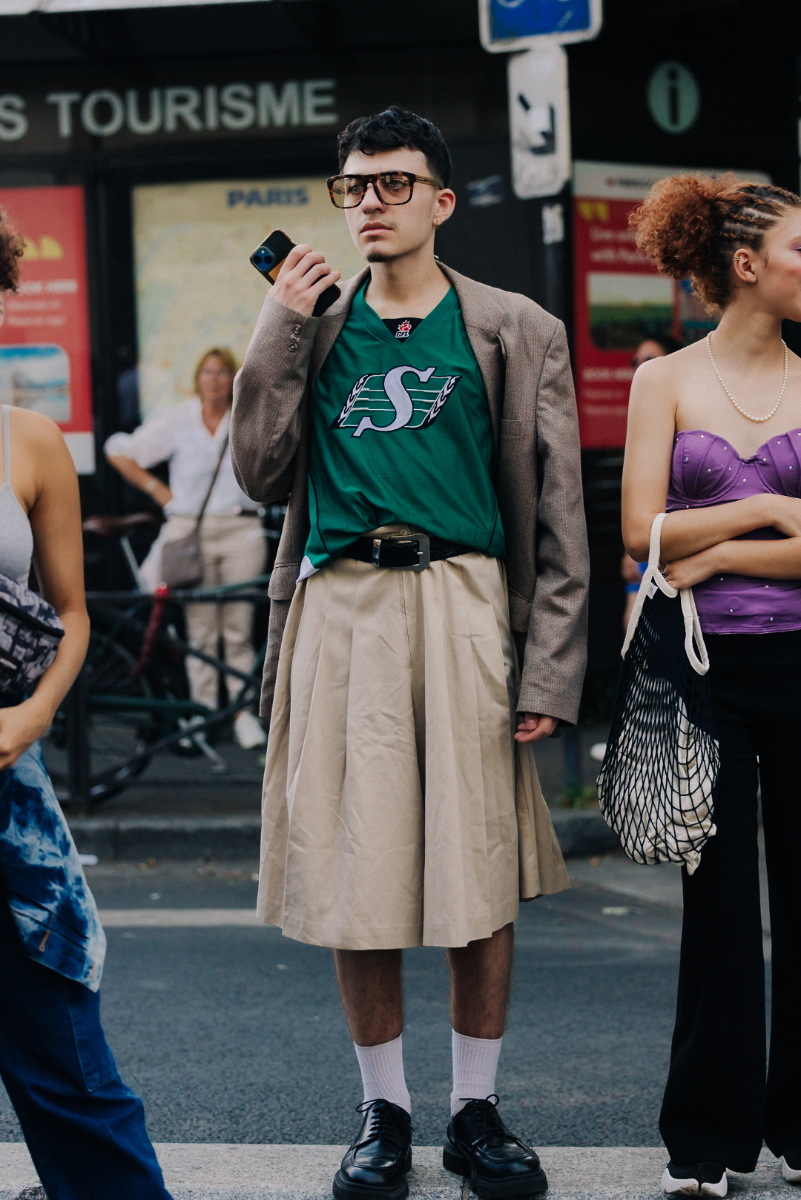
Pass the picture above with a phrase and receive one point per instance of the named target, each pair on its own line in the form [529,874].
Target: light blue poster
[36,377]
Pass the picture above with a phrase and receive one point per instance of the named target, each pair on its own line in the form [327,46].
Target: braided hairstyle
[692,225]
[11,247]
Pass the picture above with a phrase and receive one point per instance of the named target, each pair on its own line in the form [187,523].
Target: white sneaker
[248,731]
[792,1174]
[695,1179]
[186,743]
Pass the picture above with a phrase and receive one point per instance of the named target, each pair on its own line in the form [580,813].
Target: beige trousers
[233,548]
[398,810]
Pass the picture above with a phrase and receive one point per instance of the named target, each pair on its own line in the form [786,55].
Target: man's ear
[444,206]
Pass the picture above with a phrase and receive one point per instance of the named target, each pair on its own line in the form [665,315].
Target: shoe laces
[384,1122]
[493,1131]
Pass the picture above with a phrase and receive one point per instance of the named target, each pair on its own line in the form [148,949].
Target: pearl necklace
[728,393]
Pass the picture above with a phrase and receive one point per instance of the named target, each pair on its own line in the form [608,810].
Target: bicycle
[131,700]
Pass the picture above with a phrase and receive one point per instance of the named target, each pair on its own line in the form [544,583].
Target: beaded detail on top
[707,470]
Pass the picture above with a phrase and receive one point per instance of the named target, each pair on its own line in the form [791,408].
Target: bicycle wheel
[114,735]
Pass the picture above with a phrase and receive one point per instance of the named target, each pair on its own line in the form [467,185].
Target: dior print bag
[30,631]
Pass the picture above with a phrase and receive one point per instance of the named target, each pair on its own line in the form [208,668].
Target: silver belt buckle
[423,550]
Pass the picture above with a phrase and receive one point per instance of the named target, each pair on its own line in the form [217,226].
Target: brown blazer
[523,357]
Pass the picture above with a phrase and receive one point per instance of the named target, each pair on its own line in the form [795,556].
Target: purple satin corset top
[707,470]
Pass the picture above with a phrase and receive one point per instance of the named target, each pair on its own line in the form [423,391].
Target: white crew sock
[475,1062]
[382,1073]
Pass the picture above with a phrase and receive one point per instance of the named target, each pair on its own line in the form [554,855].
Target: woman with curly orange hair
[714,438]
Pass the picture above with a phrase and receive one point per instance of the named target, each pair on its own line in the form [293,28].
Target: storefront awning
[17,7]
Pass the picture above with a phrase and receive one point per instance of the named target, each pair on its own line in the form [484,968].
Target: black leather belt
[406,553]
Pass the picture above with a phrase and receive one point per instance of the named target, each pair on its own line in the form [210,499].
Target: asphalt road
[236,1034]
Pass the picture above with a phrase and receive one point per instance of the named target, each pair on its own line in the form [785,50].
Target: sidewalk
[659,884]
[247,1172]
[137,839]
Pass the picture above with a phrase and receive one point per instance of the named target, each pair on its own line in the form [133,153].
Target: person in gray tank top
[84,1128]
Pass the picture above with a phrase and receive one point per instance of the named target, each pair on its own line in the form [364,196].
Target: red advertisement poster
[620,297]
[44,336]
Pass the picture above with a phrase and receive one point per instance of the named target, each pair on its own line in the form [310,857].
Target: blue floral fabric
[50,900]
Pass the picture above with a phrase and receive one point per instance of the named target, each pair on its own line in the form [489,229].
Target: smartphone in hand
[268,258]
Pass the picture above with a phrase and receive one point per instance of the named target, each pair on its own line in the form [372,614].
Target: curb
[136,839]
[251,1172]
[583,832]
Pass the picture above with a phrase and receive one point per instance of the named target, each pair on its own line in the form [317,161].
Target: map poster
[195,288]
[619,296]
[44,335]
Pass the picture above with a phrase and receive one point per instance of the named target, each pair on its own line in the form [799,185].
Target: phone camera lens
[264,257]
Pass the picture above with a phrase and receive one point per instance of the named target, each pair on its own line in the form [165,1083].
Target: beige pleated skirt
[398,810]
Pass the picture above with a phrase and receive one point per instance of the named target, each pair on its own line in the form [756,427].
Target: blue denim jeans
[84,1128]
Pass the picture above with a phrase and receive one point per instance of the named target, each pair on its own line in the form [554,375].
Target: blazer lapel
[483,317]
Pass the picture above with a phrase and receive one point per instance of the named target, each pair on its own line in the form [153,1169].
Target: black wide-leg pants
[718,1105]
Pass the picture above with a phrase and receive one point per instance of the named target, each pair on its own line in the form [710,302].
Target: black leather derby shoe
[498,1164]
[377,1163]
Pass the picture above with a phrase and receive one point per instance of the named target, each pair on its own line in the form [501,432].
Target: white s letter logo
[399,398]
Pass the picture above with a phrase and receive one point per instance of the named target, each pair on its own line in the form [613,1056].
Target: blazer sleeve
[268,389]
[556,646]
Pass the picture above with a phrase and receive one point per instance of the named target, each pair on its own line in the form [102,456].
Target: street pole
[78,758]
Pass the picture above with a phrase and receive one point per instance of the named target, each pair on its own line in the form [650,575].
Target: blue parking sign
[520,24]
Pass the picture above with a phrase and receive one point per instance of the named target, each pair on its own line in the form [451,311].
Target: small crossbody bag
[30,631]
[181,561]
[662,758]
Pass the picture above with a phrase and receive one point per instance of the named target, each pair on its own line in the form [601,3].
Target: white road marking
[177,918]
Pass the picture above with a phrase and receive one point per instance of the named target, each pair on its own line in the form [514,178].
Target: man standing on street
[426,428]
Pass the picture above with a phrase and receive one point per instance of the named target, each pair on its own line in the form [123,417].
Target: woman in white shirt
[190,437]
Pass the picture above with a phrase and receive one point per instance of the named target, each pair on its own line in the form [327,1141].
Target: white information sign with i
[674,98]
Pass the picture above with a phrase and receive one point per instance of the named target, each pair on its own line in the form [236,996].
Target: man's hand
[20,727]
[535,726]
[302,280]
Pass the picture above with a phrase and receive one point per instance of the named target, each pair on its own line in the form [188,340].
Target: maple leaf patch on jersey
[390,401]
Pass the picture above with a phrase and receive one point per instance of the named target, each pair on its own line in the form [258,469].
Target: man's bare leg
[478,1144]
[481,973]
[372,994]
[377,1162]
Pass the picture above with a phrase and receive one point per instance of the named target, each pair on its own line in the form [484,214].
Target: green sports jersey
[401,433]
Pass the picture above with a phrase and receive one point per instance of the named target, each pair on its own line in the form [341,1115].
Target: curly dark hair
[692,224]
[393,129]
[11,247]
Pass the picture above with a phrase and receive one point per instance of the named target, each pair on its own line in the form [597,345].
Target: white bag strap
[653,578]
[692,633]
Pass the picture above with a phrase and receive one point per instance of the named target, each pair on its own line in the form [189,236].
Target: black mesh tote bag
[661,763]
